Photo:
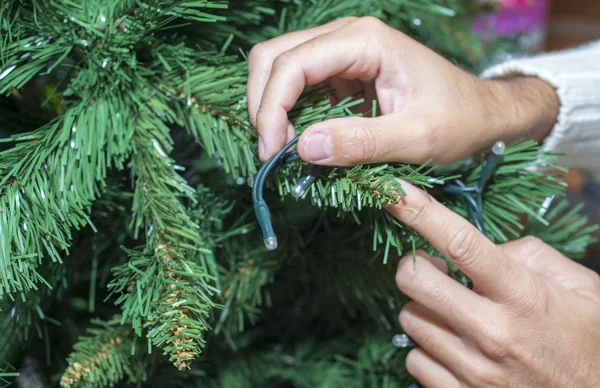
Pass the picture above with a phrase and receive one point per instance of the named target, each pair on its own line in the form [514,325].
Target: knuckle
[257,53]
[495,342]
[371,22]
[481,375]
[463,245]
[284,60]
[350,18]
[531,245]
[416,213]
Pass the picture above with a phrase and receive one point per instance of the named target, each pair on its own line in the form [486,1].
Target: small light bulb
[298,191]
[250,180]
[402,341]
[499,148]
[271,243]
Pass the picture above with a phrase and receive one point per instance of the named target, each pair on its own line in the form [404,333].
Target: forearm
[525,108]
[555,98]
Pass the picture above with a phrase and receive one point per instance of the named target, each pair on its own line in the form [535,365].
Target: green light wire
[263,215]
[474,194]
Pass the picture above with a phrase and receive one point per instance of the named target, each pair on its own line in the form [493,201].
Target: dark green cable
[263,214]
[475,205]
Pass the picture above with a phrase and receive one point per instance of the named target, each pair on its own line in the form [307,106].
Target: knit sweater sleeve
[575,74]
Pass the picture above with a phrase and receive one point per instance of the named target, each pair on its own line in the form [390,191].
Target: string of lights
[472,194]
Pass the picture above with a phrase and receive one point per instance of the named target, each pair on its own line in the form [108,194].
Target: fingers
[355,140]
[260,65]
[493,272]
[260,61]
[343,53]
[429,372]
[547,262]
[435,337]
[423,282]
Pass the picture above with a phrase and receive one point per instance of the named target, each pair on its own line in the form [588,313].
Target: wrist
[523,108]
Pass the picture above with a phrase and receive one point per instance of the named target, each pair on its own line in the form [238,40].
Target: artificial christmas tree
[126,221]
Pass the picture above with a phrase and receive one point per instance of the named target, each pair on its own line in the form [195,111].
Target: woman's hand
[532,320]
[429,108]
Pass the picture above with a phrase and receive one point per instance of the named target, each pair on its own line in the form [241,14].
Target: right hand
[428,107]
[531,319]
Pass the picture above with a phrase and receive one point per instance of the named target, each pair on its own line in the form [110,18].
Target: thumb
[356,140]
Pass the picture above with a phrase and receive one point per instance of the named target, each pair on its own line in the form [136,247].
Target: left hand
[532,320]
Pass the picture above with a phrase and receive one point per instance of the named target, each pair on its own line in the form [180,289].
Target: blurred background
[548,25]
[571,23]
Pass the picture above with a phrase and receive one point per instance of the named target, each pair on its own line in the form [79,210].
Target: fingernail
[261,147]
[410,197]
[318,147]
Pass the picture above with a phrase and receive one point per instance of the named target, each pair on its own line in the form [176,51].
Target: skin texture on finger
[547,262]
[493,272]
[428,371]
[357,140]
[455,304]
[343,53]
[260,61]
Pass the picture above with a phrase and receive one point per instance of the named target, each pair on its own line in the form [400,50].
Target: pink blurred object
[514,3]
[522,19]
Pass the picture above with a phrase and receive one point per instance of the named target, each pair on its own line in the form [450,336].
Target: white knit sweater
[575,74]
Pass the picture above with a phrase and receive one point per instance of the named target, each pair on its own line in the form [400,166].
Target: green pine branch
[569,231]
[7,374]
[243,280]
[520,184]
[222,128]
[133,77]
[364,357]
[103,357]
[53,174]
[164,288]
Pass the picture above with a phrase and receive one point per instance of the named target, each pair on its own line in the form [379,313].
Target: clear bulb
[298,191]
[402,341]
[250,180]
[499,148]
[271,243]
